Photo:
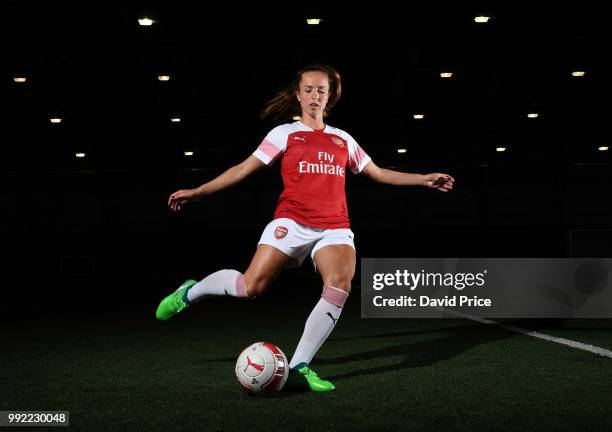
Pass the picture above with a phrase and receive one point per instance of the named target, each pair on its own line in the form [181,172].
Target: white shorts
[298,241]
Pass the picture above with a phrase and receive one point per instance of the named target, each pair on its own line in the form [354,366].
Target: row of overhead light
[422,116]
[500,149]
[148,22]
[21,79]
[58,120]
[444,75]
[399,150]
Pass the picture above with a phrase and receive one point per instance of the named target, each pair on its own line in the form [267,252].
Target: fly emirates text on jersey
[325,165]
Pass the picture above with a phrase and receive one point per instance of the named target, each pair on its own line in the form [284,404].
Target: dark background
[102,221]
[89,246]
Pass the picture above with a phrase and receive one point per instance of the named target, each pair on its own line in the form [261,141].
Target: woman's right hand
[180,197]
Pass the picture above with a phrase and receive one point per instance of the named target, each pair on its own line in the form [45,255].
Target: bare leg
[265,267]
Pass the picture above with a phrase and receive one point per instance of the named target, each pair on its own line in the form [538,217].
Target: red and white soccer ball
[262,369]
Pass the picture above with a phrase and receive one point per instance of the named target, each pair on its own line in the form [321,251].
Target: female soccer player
[311,217]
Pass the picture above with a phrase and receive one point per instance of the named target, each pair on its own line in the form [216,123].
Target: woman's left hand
[442,182]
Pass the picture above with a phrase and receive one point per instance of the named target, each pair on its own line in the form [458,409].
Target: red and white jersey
[313,168]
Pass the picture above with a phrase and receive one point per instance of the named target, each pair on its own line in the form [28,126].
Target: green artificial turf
[124,371]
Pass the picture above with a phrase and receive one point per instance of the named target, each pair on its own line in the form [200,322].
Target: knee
[256,285]
[341,280]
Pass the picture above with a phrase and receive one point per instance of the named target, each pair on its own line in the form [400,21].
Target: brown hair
[284,104]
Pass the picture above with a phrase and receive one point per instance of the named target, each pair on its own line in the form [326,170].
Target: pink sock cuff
[335,296]
[241,286]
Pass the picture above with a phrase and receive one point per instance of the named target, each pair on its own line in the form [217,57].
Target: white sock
[319,325]
[223,282]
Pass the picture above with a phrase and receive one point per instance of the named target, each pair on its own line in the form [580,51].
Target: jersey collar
[325,129]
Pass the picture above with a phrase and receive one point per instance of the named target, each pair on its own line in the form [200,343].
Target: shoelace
[178,302]
[308,372]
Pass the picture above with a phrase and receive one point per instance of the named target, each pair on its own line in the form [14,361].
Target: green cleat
[175,302]
[303,378]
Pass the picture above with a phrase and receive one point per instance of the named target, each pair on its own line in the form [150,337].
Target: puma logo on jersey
[299,138]
[331,316]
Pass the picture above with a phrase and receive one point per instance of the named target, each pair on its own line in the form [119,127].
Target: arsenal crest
[280,232]
[338,142]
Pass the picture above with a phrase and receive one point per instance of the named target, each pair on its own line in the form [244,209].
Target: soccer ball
[262,369]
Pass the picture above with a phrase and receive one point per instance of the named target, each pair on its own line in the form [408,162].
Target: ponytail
[283,105]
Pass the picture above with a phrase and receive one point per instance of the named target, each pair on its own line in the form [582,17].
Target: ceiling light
[145,22]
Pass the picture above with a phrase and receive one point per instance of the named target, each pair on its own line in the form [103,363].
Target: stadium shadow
[393,334]
[422,353]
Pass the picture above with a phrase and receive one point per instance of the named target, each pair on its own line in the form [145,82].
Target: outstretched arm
[230,177]
[442,182]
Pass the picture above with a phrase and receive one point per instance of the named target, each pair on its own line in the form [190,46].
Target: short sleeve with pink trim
[273,145]
[358,158]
